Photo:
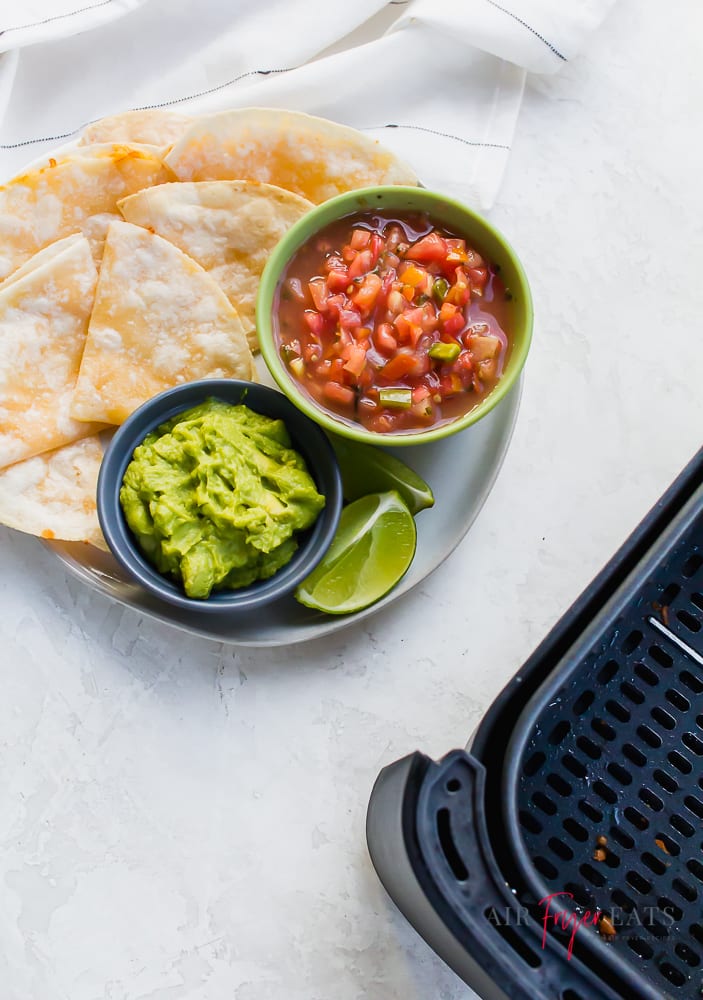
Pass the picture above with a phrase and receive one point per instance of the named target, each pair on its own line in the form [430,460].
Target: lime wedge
[366,469]
[373,547]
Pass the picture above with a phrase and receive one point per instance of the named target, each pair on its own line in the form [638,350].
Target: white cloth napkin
[31,21]
[438,81]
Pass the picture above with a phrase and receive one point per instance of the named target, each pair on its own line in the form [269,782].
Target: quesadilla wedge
[160,128]
[43,325]
[159,319]
[312,157]
[78,193]
[42,257]
[53,495]
[229,227]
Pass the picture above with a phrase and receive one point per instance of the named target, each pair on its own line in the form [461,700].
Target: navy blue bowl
[307,439]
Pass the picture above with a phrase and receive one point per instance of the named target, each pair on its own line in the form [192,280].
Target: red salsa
[392,323]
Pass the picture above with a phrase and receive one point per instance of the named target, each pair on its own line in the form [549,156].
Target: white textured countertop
[185,821]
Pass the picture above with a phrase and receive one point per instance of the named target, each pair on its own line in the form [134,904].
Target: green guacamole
[216,495]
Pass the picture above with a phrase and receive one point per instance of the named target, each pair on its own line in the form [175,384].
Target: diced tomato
[415,315]
[429,318]
[448,309]
[464,365]
[338,393]
[335,304]
[431,248]
[404,363]
[408,332]
[376,246]
[396,302]
[460,292]
[349,319]
[412,275]
[360,239]
[362,263]
[315,321]
[384,339]
[354,359]
[319,291]
[478,276]
[421,392]
[365,296]
[450,385]
[454,325]
[338,280]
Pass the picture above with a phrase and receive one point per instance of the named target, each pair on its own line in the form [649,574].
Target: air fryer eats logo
[558,915]
[569,921]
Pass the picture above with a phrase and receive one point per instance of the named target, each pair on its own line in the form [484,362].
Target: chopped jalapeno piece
[397,399]
[442,351]
[440,289]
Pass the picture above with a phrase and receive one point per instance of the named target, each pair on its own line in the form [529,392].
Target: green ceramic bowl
[452,215]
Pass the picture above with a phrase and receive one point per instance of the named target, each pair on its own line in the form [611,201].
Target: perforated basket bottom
[619,754]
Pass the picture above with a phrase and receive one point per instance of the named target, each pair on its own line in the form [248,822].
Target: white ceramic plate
[460,470]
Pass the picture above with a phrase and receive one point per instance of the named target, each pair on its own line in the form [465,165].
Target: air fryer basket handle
[428,842]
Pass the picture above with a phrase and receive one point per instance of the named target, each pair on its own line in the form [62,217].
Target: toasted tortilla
[44,317]
[160,128]
[159,320]
[53,495]
[43,257]
[229,227]
[78,193]
[312,157]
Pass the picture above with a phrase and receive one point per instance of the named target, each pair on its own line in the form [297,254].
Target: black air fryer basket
[583,783]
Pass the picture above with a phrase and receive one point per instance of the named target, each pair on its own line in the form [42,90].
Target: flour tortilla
[312,157]
[78,193]
[43,325]
[53,495]
[159,320]
[161,128]
[229,227]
